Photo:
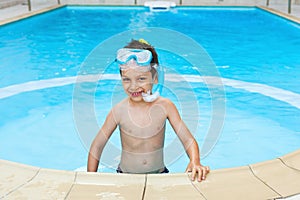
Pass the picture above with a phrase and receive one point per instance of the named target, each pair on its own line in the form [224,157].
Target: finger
[204,172]
[200,174]
[194,173]
[207,169]
[188,169]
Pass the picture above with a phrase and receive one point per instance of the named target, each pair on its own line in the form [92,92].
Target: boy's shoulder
[164,102]
[121,104]
[118,109]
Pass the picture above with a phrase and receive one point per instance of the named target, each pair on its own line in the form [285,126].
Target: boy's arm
[99,142]
[189,143]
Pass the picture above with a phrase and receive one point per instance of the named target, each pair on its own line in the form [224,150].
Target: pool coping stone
[270,179]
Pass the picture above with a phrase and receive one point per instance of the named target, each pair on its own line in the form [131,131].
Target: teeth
[135,93]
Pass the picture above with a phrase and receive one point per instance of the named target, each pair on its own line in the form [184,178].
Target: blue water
[247,45]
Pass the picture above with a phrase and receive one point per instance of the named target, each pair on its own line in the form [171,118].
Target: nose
[133,85]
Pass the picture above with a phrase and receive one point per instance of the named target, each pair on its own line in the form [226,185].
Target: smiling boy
[141,118]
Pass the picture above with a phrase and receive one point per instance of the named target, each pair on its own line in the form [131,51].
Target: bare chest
[143,123]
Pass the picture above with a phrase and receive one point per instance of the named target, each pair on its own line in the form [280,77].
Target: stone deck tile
[13,176]
[107,186]
[294,18]
[24,15]
[47,184]
[170,186]
[283,179]
[292,160]
[234,183]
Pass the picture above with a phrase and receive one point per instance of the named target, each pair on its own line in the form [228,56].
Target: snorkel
[143,61]
[148,97]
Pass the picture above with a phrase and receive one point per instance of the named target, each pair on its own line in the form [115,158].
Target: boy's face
[135,82]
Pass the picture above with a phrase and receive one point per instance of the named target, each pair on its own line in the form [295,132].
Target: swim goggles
[142,57]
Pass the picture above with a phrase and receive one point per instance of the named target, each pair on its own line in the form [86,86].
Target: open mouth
[136,94]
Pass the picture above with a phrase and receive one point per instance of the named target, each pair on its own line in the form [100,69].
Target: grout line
[194,186]
[75,177]
[145,185]
[261,180]
[285,164]
[20,186]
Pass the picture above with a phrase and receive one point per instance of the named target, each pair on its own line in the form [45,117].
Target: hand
[198,171]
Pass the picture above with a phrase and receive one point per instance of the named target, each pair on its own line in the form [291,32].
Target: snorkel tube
[148,97]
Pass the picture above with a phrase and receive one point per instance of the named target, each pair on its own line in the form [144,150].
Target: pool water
[256,54]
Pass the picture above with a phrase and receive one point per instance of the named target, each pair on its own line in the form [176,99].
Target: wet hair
[138,44]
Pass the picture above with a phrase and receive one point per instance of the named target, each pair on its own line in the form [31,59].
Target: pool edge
[54,7]
[30,14]
[280,14]
[272,179]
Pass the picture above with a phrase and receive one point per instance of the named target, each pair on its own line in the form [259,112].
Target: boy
[141,118]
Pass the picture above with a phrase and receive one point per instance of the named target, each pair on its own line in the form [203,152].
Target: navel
[144,162]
